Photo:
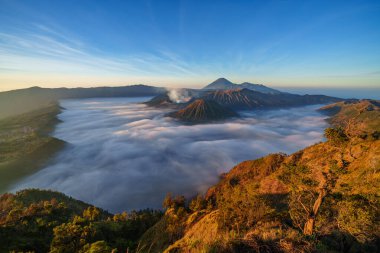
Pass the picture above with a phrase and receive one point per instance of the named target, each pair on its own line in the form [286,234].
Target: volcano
[246,99]
[160,101]
[224,84]
[202,110]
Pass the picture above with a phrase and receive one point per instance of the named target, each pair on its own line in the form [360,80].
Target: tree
[312,214]
[198,203]
[91,213]
[180,201]
[168,201]
[304,206]
[120,216]
[177,202]
[70,237]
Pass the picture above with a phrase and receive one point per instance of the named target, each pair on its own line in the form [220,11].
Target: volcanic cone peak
[202,110]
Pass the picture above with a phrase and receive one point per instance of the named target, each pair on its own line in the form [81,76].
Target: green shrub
[358,218]
[336,135]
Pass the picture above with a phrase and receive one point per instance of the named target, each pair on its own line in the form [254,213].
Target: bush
[177,202]
[97,247]
[336,135]
[358,218]
[91,213]
[239,209]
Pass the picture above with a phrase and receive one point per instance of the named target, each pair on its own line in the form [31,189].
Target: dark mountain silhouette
[202,110]
[224,84]
[23,100]
[244,99]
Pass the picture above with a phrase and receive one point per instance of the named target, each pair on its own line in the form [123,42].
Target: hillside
[26,144]
[360,118]
[224,84]
[24,100]
[324,198]
[243,99]
[202,110]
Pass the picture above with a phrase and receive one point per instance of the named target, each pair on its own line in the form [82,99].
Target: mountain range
[20,101]
[227,94]
[245,99]
[224,84]
[224,96]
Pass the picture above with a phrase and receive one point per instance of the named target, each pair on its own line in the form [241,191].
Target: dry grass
[202,236]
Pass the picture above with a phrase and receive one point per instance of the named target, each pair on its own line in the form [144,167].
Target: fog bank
[123,155]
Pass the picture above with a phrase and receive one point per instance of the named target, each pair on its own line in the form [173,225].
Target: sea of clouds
[123,155]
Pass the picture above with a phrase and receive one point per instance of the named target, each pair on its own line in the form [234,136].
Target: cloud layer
[123,155]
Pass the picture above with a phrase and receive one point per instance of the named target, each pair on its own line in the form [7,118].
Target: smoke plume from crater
[179,95]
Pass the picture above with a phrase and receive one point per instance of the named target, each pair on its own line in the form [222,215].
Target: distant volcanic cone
[202,110]
[160,100]
[238,98]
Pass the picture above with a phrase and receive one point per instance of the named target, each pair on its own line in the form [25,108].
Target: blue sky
[189,43]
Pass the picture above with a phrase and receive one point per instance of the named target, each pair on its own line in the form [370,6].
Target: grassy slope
[262,204]
[25,144]
[357,117]
[16,102]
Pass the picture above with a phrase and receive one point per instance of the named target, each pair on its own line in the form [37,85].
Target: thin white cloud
[47,50]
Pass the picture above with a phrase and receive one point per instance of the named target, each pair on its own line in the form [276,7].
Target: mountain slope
[20,101]
[248,99]
[324,198]
[26,144]
[159,100]
[259,88]
[224,84]
[220,84]
[202,110]
[357,117]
